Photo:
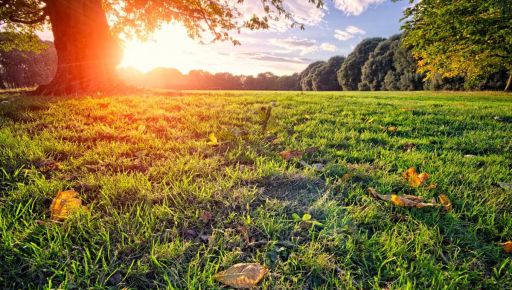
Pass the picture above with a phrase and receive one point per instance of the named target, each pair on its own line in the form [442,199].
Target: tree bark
[508,87]
[87,52]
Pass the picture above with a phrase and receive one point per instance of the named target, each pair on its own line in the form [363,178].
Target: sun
[168,47]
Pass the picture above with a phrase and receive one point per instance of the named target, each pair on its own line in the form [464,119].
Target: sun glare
[168,47]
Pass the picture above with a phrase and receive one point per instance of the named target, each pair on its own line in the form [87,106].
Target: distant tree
[87,49]
[349,75]
[324,77]
[379,63]
[306,76]
[27,68]
[470,38]
[164,78]
[288,83]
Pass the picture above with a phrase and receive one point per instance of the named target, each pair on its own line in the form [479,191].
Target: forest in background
[375,64]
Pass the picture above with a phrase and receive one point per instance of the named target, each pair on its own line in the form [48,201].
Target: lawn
[166,209]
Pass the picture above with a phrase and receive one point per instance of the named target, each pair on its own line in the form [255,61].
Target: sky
[334,30]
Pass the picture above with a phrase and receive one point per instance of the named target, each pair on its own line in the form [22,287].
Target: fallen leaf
[392,129]
[206,216]
[414,178]
[401,200]
[243,275]
[507,247]
[432,186]
[445,201]
[212,140]
[405,202]
[505,185]
[377,195]
[291,154]
[64,204]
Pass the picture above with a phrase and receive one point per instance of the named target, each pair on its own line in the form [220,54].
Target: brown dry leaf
[414,178]
[64,204]
[401,200]
[243,275]
[445,201]
[291,154]
[432,186]
[507,247]
[377,195]
[406,202]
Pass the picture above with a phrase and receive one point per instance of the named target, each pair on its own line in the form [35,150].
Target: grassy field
[167,210]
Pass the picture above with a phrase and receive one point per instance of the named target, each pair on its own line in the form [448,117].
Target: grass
[143,168]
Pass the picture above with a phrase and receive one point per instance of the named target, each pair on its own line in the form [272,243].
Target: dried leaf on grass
[64,204]
[507,247]
[243,275]
[445,201]
[414,178]
[406,200]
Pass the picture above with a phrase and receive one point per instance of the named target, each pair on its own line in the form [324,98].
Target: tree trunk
[508,87]
[87,52]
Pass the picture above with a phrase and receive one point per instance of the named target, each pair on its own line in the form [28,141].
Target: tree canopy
[467,38]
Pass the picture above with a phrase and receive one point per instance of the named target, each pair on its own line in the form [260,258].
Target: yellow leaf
[414,178]
[507,247]
[212,140]
[411,201]
[64,204]
[445,201]
[243,275]
[392,129]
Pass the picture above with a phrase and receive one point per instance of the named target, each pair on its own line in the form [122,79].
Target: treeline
[375,64]
[21,69]
[383,64]
[170,78]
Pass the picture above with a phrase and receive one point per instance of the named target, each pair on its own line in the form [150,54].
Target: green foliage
[452,38]
[324,77]
[349,75]
[19,69]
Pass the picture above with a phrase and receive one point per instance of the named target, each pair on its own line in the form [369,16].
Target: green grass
[142,166]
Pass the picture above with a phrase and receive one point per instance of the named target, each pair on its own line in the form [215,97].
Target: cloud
[328,47]
[354,7]
[349,33]
[275,58]
[303,45]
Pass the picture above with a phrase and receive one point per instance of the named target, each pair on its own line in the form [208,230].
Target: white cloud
[355,30]
[328,47]
[349,33]
[354,7]
[303,45]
